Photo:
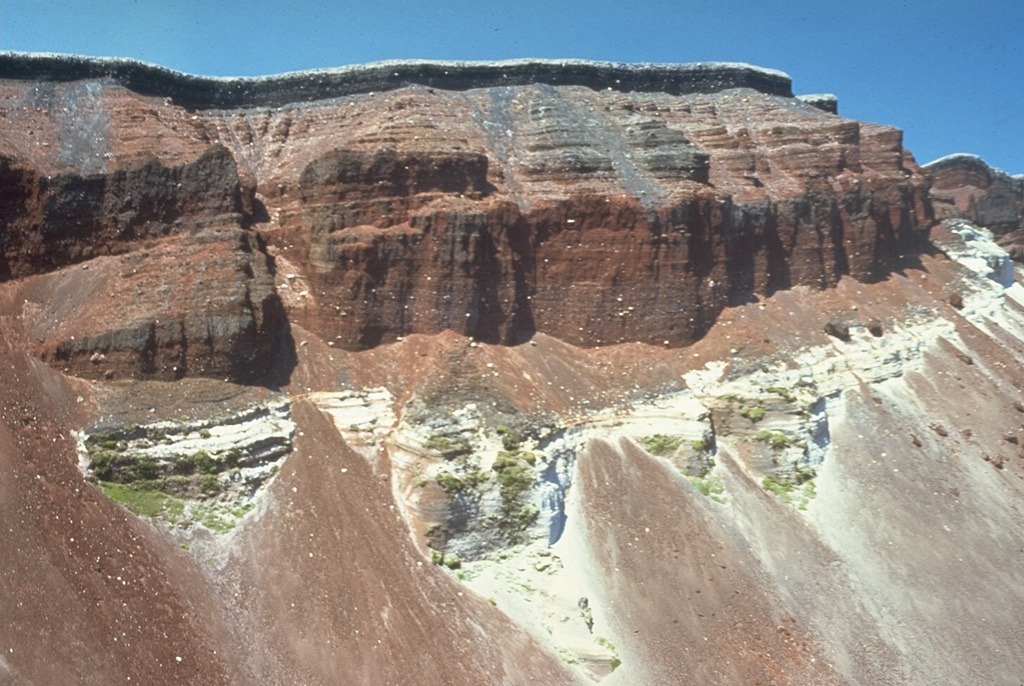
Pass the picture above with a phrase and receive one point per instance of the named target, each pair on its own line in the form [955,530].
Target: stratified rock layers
[965,185]
[597,216]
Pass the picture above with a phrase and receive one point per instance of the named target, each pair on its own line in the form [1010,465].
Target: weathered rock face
[595,217]
[965,186]
[53,221]
[169,280]
[497,211]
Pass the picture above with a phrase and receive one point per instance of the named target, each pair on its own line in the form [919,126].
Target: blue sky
[950,74]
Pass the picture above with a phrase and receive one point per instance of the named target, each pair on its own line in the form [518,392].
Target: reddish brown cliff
[596,216]
[965,186]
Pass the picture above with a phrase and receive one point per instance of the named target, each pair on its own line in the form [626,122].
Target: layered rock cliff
[620,204]
[966,186]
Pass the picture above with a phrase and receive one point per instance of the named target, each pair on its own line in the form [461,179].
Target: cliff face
[965,186]
[596,216]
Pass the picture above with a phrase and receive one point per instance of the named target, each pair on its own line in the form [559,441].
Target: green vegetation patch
[662,444]
[147,500]
[797,495]
[115,456]
[515,477]
[778,441]
[144,502]
[466,483]
[605,643]
[218,519]
[709,486]
[515,474]
[754,414]
[510,438]
[449,447]
[784,393]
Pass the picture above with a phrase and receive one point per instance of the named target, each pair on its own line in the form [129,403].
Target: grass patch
[754,414]
[783,393]
[148,501]
[662,444]
[797,495]
[215,519]
[144,502]
[709,486]
[776,440]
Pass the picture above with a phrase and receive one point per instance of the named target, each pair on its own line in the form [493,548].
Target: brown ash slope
[547,397]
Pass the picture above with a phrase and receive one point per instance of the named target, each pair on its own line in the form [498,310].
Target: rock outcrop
[149,270]
[467,197]
[966,186]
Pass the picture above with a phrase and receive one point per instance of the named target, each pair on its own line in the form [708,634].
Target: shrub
[455,485]
[449,448]
[515,479]
[232,458]
[101,462]
[209,484]
[176,484]
[515,475]
[784,393]
[661,444]
[510,440]
[776,440]
[205,463]
[184,464]
[754,414]
[140,468]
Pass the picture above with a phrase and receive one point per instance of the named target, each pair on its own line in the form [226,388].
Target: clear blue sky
[949,73]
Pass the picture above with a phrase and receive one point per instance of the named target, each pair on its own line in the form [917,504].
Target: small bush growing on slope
[662,444]
[754,414]
[515,479]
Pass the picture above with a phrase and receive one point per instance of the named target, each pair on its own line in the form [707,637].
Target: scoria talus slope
[547,394]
